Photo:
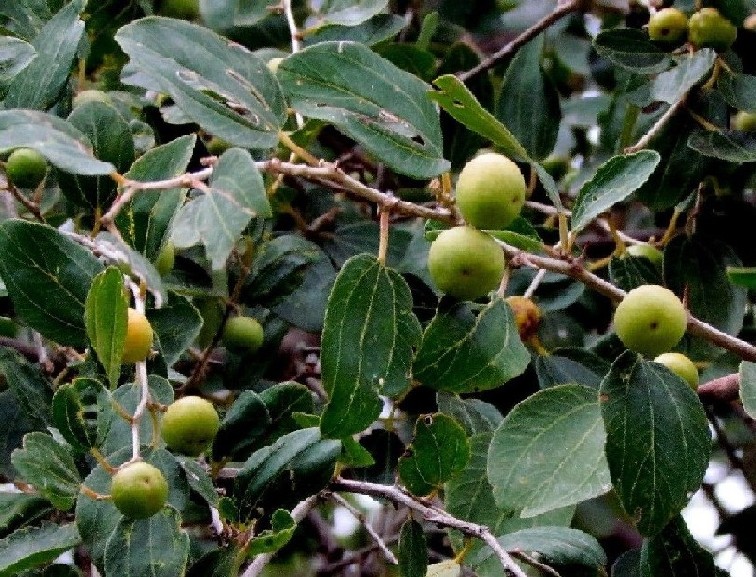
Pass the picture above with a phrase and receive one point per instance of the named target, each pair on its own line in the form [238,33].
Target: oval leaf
[31,547]
[105,319]
[412,550]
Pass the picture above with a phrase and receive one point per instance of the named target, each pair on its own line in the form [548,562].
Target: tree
[296,161]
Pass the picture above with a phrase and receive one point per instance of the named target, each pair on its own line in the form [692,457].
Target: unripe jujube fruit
[707,28]
[645,250]
[26,168]
[668,25]
[190,425]
[139,490]
[681,365]
[490,191]
[243,334]
[138,338]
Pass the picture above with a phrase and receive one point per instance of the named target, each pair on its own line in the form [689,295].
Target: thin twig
[360,516]
[562,10]
[31,206]
[525,558]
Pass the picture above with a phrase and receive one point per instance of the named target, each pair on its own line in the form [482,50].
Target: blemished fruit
[707,28]
[490,191]
[668,25]
[139,490]
[466,263]
[527,315]
[189,425]
[185,9]
[243,334]
[645,250]
[650,320]
[138,338]
[745,121]
[166,258]
[681,365]
[26,168]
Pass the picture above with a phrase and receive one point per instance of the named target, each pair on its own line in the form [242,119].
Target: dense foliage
[238,294]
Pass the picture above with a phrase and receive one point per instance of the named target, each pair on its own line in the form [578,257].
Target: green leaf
[748,387]
[559,545]
[455,98]
[15,55]
[47,276]
[204,74]
[552,444]
[675,553]
[412,551]
[271,540]
[55,139]
[18,509]
[367,344]
[474,415]
[14,424]
[672,85]
[349,12]
[370,100]
[28,385]
[148,547]
[112,142]
[144,221]
[570,366]
[74,410]
[627,564]
[613,182]
[280,475]
[742,276]
[729,145]
[630,48]
[217,218]
[28,548]
[176,324]
[25,18]
[224,14]
[40,83]
[439,449]
[244,423]
[628,272]
[50,467]
[199,480]
[105,319]
[657,440]
[461,352]
[379,28]
[224,562]
[738,89]
[528,103]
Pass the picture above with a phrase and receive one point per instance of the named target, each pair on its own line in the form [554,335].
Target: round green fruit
[166,258]
[707,28]
[645,250]
[190,425]
[681,365]
[243,334]
[466,263]
[26,168]
[668,25]
[185,9]
[139,490]
[138,338]
[745,121]
[650,320]
[490,191]
[527,315]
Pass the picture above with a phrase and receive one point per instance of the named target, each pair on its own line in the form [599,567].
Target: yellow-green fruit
[681,365]
[26,168]
[527,315]
[166,258]
[645,250]
[490,191]
[139,490]
[466,263]
[707,28]
[190,425]
[667,25]
[745,121]
[138,338]
[243,334]
[186,9]
[217,146]
[650,320]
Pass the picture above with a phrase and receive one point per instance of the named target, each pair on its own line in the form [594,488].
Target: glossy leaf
[350,12]
[377,29]
[729,145]
[369,99]
[15,55]
[657,440]
[199,480]
[630,48]
[613,182]
[48,277]
[560,545]
[50,467]
[474,415]
[461,352]
[672,85]
[438,449]
[217,218]
[548,452]
[74,410]
[35,546]
[367,344]
[204,74]
[105,319]
[412,550]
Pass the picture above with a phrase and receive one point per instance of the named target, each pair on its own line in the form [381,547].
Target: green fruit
[667,25]
[26,168]
[86,96]
[138,338]
[709,29]
[650,320]
[466,263]
[217,146]
[190,425]
[490,191]
[243,334]
[645,250]
[139,490]
[166,258]
[745,121]
[185,9]
[681,365]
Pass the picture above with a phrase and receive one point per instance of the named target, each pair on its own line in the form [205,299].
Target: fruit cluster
[707,28]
